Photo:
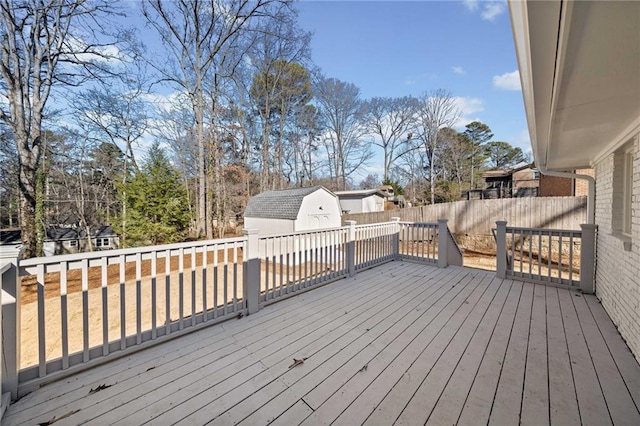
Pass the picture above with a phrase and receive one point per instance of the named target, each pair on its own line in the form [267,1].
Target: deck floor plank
[451,402]
[627,364]
[619,402]
[535,395]
[440,346]
[508,397]
[437,363]
[591,403]
[395,359]
[360,333]
[563,402]
[348,355]
[477,407]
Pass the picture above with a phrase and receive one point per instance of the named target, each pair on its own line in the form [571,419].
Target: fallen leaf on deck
[297,362]
[55,419]
[240,315]
[99,388]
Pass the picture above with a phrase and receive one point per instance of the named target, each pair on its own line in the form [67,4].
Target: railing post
[396,238]
[251,280]
[443,241]
[10,298]
[351,247]
[588,258]
[501,249]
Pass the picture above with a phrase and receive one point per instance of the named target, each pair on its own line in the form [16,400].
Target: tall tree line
[224,100]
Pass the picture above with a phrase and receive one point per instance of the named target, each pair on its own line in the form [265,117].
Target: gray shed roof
[281,204]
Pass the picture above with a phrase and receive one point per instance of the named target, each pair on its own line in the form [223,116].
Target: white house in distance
[293,210]
[361,201]
[579,66]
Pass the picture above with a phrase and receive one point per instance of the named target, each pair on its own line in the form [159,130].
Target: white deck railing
[375,244]
[294,262]
[121,298]
[64,313]
[555,256]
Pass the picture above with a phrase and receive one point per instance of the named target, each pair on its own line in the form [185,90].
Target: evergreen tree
[478,134]
[157,205]
[502,155]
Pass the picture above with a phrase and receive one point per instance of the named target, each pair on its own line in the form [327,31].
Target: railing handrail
[299,233]
[422,224]
[546,231]
[4,267]
[381,225]
[93,255]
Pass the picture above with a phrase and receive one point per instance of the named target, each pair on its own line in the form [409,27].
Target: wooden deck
[398,344]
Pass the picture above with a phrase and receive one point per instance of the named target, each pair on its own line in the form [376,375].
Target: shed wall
[318,210]
[267,226]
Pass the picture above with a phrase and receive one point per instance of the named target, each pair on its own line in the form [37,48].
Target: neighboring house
[61,240]
[393,201]
[361,201]
[293,210]
[526,182]
[580,71]
[497,184]
[9,241]
[67,239]
[520,182]
[555,186]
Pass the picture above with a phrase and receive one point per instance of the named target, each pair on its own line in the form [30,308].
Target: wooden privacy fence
[73,310]
[478,217]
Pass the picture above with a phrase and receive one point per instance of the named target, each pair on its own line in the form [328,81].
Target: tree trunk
[28,210]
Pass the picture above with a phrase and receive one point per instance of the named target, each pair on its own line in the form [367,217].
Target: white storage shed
[293,210]
[361,201]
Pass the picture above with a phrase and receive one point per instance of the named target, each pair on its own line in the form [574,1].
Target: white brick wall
[617,269]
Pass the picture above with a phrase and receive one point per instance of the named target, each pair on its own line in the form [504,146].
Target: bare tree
[280,83]
[437,110]
[117,111]
[340,105]
[200,36]
[389,121]
[43,45]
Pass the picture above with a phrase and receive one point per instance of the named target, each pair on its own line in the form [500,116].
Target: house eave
[579,65]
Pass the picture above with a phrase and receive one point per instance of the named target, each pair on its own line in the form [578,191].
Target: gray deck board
[401,343]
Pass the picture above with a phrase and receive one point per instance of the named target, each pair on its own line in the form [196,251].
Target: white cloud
[522,140]
[458,70]
[507,81]
[469,108]
[489,10]
[471,5]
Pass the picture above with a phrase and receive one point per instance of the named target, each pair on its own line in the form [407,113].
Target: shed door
[318,221]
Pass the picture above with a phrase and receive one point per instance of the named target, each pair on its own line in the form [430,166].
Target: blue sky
[401,48]
[398,48]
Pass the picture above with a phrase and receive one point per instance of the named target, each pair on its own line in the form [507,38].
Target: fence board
[477,217]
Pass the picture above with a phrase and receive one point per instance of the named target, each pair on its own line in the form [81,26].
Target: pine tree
[157,204]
